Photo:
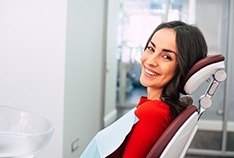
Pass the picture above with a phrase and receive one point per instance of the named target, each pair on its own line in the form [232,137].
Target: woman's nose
[152,60]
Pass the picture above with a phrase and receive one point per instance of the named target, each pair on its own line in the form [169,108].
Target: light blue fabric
[109,139]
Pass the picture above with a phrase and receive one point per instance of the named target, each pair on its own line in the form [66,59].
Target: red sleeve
[154,118]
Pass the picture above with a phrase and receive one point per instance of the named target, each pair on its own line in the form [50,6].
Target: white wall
[32,46]
[51,63]
[84,79]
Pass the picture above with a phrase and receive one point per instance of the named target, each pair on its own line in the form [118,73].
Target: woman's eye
[151,48]
[167,57]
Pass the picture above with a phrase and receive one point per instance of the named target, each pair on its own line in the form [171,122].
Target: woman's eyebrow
[153,43]
[170,51]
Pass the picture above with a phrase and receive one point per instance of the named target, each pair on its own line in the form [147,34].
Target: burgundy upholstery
[170,132]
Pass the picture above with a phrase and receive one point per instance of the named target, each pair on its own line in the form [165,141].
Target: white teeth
[150,72]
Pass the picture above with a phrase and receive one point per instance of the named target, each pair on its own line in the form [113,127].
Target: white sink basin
[22,133]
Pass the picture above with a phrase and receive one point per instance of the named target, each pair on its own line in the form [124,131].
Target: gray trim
[105,16]
[209,152]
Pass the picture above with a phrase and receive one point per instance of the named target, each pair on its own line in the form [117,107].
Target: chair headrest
[201,72]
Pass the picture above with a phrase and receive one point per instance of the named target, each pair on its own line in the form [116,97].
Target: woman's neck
[154,94]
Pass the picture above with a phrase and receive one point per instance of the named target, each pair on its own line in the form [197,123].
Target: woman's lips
[151,73]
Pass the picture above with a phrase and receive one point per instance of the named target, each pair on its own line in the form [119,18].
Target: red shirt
[154,118]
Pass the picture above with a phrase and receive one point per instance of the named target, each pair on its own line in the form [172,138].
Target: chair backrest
[176,139]
[185,123]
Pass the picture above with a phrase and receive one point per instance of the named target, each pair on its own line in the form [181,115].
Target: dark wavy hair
[191,47]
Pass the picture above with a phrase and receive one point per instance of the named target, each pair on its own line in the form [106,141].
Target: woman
[170,52]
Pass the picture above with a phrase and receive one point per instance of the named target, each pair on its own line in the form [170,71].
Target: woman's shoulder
[152,108]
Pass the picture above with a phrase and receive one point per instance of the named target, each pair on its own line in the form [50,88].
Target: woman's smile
[150,72]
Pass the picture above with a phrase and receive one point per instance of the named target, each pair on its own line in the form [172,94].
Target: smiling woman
[170,51]
[159,62]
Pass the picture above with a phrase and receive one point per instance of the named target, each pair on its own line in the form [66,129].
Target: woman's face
[159,60]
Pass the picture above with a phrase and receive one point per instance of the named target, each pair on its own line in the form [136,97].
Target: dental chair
[176,139]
